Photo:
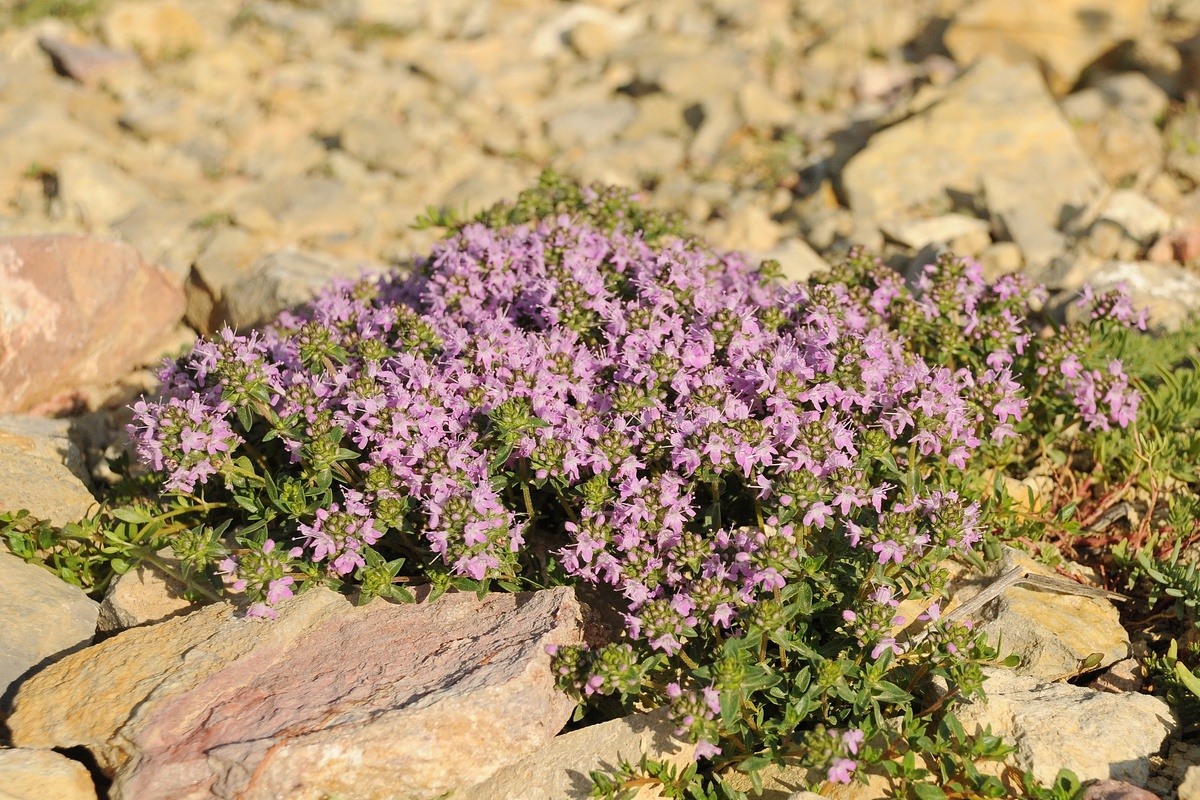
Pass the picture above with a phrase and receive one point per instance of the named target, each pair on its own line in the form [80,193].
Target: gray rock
[42,470]
[45,618]
[165,233]
[1059,726]
[375,701]
[42,774]
[1040,242]
[590,125]
[280,280]
[996,120]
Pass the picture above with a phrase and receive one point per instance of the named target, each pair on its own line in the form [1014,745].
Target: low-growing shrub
[754,475]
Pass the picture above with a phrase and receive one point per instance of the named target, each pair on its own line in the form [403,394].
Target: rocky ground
[192,163]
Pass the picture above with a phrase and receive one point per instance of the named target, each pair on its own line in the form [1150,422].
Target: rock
[1134,95]
[45,618]
[277,281]
[1116,790]
[1138,218]
[495,182]
[42,470]
[1123,676]
[143,596]
[88,65]
[375,701]
[763,108]
[96,192]
[999,259]
[1053,633]
[1181,244]
[1169,292]
[997,121]
[1059,726]
[630,162]
[225,261]
[1063,36]
[748,228]
[590,125]
[1183,155]
[77,311]
[1121,147]
[558,770]
[41,774]
[159,30]
[592,32]
[1190,788]
[962,234]
[165,233]
[796,258]
[1040,242]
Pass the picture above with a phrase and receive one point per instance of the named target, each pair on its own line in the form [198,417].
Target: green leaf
[928,791]
[131,514]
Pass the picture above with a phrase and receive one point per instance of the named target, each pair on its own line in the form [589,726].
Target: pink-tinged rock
[76,312]
[88,65]
[1116,790]
[376,701]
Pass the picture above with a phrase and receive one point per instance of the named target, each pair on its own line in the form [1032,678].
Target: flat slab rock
[331,699]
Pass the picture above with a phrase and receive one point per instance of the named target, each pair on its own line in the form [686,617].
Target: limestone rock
[42,774]
[559,770]
[1168,291]
[1059,726]
[142,596]
[43,617]
[1139,218]
[1063,35]
[995,120]
[1052,633]
[376,701]
[158,30]
[1189,789]
[76,311]
[96,192]
[964,235]
[277,281]
[42,470]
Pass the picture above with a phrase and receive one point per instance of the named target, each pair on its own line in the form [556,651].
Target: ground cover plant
[752,476]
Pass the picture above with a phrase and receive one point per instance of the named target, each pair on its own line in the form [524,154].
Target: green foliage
[603,207]
[27,11]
